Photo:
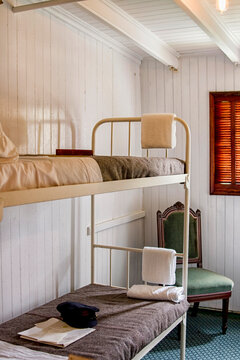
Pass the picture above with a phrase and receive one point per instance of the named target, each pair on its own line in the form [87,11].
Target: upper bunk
[34,188]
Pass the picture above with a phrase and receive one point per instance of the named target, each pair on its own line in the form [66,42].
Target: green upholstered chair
[203,285]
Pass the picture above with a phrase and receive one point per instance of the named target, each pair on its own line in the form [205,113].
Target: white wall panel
[56,82]
[186,93]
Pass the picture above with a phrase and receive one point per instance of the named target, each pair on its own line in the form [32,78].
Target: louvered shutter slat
[223,152]
[237,141]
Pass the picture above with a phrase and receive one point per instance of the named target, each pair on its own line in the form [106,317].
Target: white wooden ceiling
[168,21]
[183,26]
[180,26]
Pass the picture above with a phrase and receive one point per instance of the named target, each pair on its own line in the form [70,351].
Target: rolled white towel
[148,292]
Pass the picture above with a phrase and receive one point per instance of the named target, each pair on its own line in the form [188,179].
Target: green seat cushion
[202,281]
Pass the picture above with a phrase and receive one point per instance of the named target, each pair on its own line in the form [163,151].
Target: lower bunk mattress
[125,325]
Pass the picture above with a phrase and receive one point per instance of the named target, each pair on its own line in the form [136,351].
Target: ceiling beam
[39,5]
[211,23]
[126,24]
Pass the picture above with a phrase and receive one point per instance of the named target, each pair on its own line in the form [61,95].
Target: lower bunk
[125,326]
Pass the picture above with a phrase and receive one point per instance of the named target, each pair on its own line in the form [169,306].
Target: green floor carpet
[204,339]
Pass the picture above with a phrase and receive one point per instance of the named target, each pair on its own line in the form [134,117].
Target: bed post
[185,264]
[92,237]
[93,215]
[185,233]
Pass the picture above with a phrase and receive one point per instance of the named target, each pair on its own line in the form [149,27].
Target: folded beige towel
[8,151]
[158,131]
[147,292]
[159,265]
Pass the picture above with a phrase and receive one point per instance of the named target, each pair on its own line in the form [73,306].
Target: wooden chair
[203,285]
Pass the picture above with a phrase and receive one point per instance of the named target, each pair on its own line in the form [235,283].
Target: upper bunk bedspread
[30,172]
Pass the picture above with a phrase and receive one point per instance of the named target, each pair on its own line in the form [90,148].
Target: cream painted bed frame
[20,197]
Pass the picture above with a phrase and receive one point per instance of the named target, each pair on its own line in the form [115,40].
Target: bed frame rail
[128,250]
[186,183]
[112,121]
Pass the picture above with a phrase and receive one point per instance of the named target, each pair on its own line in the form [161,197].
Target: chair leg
[225,304]
[195,309]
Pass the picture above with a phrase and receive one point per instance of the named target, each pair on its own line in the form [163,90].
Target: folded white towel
[158,131]
[159,265]
[147,292]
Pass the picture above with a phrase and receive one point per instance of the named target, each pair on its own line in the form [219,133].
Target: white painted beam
[126,24]
[211,23]
[39,5]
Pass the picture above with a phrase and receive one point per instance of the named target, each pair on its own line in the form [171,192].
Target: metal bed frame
[20,197]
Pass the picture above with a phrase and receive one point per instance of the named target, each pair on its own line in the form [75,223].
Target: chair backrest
[170,232]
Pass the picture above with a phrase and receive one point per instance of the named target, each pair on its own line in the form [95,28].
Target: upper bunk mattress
[124,326]
[29,172]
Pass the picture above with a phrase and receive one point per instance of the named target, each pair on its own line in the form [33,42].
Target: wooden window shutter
[237,140]
[225,143]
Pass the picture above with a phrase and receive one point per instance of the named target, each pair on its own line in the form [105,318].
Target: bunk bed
[133,326]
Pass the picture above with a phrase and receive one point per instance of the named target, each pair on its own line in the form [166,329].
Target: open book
[54,332]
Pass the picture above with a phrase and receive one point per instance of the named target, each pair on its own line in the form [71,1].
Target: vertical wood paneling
[220,199]
[56,74]
[236,222]
[211,260]
[153,193]
[65,248]
[15,262]
[236,252]
[4,68]
[39,91]
[160,99]
[46,132]
[30,87]
[203,133]
[197,75]
[24,258]
[22,84]
[6,269]
[40,276]
[12,75]
[168,90]
[56,82]
[193,70]
[32,241]
[55,242]
[229,202]
[48,254]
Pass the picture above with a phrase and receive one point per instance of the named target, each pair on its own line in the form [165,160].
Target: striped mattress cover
[124,326]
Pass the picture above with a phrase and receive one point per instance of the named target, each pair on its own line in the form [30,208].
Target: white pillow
[8,151]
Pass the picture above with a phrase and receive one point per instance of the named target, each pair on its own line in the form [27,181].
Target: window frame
[215,188]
